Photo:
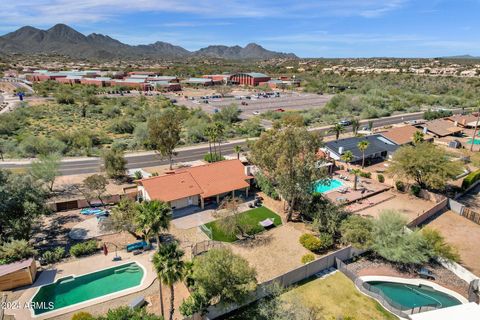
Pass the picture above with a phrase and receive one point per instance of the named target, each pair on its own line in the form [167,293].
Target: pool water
[327,185]
[72,290]
[476,141]
[411,296]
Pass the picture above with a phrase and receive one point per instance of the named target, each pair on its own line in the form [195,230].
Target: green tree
[164,133]
[395,243]
[127,313]
[437,245]
[288,157]
[426,164]
[123,218]
[219,276]
[96,186]
[22,201]
[237,149]
[355,173]
[114,163]
[363,146]
[418,137]
[46,169]
[357,231]
[338,129]
[227,115]
[326,215]
[170,269]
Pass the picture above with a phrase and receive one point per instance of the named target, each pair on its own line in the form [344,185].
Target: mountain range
[64,40]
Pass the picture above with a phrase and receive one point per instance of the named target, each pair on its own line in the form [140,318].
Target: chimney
[425,130]
[340,150]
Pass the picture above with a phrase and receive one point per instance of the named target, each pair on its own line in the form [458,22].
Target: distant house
[197,186]
[17,274]
[465,121]
[379,148]
[403,135]
[250,78]
[441,128]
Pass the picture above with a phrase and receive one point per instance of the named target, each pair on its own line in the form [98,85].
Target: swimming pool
[410,296]
[71,290]
[328,185]
[476,141]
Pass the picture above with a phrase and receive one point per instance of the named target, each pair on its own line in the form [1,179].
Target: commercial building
[197,186]
[198,82]
[250,78]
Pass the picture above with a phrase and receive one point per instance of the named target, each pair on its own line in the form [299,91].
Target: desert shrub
[83,316]
[415,190]
[365,174]
[16,250]
[400,186]
[84,248]
[53,256]
[306,258]
[470,179]
[122,126]
[213,157]
[326,240]
[310,242]
[381,178]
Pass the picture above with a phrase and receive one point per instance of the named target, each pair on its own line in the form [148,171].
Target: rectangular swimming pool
[326,186]
[71,290]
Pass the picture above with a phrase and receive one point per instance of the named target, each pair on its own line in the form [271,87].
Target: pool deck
[79,267]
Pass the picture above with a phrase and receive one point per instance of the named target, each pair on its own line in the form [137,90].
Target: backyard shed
[17,274]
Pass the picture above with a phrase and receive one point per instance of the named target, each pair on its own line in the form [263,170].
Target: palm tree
[219,129]
[210,134]
[355,172]
[355,126]
[153,217]
[237,149]
[347,157]
[418,137]
[170,269]
[337,129]
[362,146]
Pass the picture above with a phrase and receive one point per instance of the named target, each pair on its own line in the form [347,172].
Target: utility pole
[475,130]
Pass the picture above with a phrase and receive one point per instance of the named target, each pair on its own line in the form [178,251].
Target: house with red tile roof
[403,135]
[197,185]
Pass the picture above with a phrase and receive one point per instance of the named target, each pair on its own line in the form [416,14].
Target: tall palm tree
[210,134]
[237,149]
[418,137]
[219,129]
[363,146]
[337,129]
[152,218]
[355,126]
[355,172]
[170,269]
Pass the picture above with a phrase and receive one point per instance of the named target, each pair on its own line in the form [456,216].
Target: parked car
[345,122]
[280,110]
[256,113]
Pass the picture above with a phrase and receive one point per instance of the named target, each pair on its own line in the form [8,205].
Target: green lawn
[250,218]
[334,297]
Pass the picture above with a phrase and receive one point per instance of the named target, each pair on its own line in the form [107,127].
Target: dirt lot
[464,235]
[274,253]
[406,204]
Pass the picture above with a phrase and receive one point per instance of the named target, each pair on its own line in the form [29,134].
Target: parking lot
[286,101]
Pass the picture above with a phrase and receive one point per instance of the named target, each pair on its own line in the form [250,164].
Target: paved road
[149,159]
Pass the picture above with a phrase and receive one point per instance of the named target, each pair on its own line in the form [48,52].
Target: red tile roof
[205,180]
[401,135]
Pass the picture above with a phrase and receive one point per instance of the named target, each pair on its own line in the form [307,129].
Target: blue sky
[322,28]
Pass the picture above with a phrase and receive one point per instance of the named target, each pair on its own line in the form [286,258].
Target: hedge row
[470,179]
